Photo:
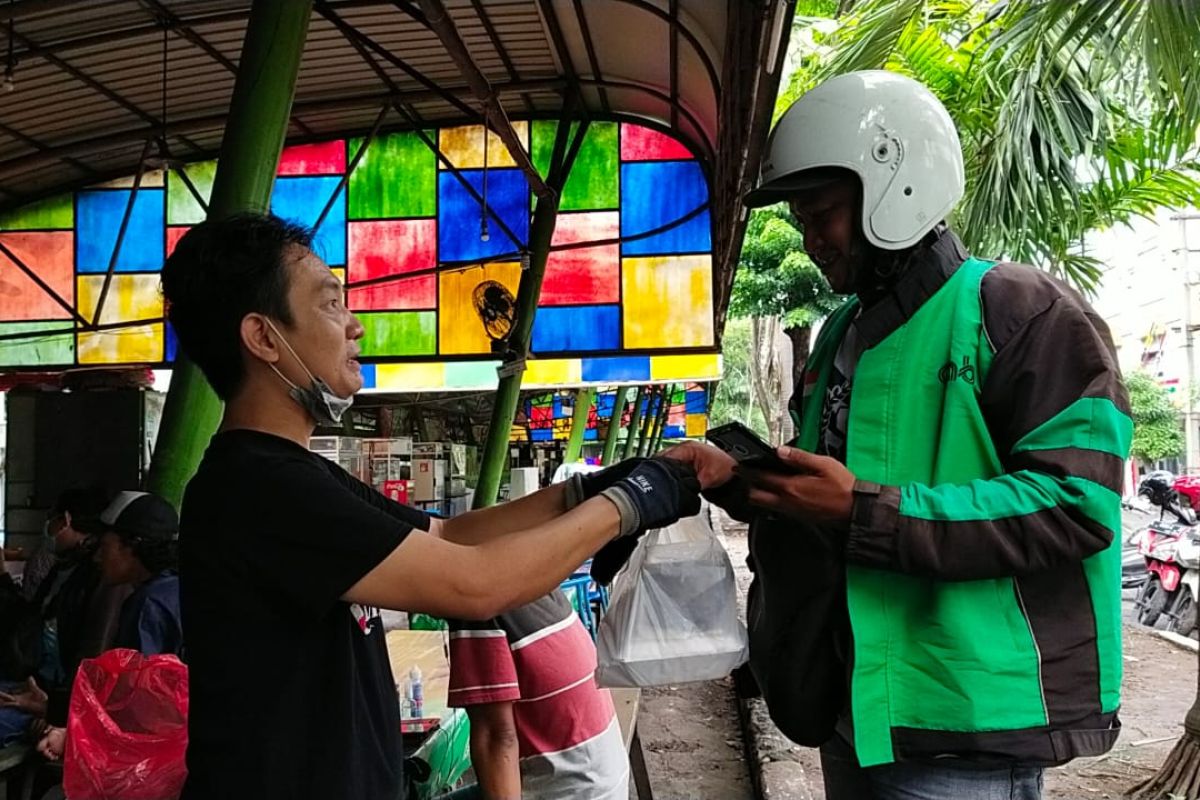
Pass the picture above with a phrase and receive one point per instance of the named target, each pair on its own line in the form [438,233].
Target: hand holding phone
[747,448]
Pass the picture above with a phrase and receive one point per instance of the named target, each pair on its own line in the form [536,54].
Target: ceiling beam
[84,147]
[350,31]
[172,22]
[94,84]
[497,117]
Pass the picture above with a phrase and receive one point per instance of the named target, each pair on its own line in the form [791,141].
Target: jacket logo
[965,373]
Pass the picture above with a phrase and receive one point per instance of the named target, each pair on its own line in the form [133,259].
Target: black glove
[610,558]
[584,486]
[654,494]
[659,492]
[734,497]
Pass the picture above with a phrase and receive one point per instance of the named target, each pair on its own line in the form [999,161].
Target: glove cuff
[573,493]
[631,520]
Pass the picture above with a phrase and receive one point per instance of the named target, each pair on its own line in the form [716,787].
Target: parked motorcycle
[1160,595]
[1182,611]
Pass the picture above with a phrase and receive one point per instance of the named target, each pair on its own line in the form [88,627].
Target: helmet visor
[786,187]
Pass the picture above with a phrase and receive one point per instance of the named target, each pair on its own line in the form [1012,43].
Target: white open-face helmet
[887,129]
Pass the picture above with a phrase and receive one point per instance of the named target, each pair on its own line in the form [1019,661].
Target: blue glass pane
[697,402]
[589,435]
[604,403]
[564,328]
[459,214]
[302,200]
[654,194]
[674,432]
[541,435]
[626,368]
[98,219]
[368,376]
[172,342]
[560,411]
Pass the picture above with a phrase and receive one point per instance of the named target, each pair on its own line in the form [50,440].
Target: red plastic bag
[127,728]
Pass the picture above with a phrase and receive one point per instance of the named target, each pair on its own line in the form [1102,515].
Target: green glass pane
[396,177]
[52,349]
[182,208]
[55,213]
[593,183]
[403,333]
[471,374]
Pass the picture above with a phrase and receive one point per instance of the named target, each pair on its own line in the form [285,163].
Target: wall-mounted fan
[497,308]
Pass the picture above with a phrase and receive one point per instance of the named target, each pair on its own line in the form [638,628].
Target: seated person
[540,727]
[20,653]
[137,548]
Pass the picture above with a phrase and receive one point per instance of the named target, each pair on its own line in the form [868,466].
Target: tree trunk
[1179,776]
[801,339]
[767,376]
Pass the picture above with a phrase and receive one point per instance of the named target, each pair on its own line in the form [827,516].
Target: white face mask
[321,402]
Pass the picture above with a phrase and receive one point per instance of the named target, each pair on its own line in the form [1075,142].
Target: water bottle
[416,693]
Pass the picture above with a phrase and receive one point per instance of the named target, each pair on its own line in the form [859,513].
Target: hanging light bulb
[484,235]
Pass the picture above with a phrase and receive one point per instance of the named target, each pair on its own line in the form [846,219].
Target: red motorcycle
[1159,545]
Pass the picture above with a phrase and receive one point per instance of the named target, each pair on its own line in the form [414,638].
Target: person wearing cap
[139,548]
[285,558]
[936,594]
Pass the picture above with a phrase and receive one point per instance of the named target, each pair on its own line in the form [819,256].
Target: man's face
[323,332]
[66,538]
[829,217]
[117,562]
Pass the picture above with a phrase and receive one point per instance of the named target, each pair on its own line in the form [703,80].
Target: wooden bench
[627,702]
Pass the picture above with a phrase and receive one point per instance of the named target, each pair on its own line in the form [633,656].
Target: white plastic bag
[672,615]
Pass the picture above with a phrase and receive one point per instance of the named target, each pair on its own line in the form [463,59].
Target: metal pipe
[495,115]
[253,140]
[656,423]
[508,392]
[648,417]
[583,405]
[614,426]
[635,421]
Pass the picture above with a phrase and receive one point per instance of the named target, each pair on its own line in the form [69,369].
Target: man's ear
[259,339]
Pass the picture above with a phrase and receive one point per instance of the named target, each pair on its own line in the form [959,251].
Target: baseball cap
[141,515]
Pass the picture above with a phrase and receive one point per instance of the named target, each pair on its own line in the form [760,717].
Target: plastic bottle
[416,692]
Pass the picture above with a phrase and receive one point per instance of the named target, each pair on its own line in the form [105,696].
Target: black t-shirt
[292,694]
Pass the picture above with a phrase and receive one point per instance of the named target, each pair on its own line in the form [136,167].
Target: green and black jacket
[988,430]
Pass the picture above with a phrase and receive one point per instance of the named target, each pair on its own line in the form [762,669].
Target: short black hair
[83,503]
[220,271]
[156,555]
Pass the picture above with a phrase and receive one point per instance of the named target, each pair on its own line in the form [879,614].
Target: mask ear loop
[299,360]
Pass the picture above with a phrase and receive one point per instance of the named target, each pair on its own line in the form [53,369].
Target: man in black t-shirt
[285,558]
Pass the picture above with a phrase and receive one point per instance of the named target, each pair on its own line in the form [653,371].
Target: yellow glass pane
[155,179]
[463,146]
[668,301]
[697,425]
[677,368]
[460,327]
[553,372]
[130,298]
[409,377]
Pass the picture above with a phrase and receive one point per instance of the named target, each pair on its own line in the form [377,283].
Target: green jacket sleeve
[1059,416]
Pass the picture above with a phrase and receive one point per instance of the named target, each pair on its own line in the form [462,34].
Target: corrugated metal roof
[88,76]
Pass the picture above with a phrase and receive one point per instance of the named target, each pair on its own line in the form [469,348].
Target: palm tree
[1074,115]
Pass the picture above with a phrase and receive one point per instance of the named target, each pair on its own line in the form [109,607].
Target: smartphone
[746,448]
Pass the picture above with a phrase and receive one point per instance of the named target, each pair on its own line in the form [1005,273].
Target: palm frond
[871,34]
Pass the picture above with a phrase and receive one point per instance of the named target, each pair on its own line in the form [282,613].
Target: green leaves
[775,277]
[1157,426]
[1073,114]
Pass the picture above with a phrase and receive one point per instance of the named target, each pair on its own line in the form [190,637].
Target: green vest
[938,655]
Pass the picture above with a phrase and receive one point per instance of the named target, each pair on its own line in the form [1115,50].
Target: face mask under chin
[321,402]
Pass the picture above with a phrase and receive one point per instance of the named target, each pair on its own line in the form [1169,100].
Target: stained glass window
[548,417]
[403,231]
